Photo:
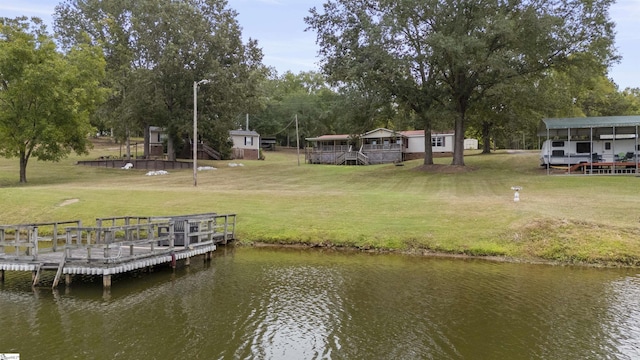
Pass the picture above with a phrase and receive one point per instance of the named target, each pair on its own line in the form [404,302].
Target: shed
[268,143]
[157,136]
[471,144]
[246,144]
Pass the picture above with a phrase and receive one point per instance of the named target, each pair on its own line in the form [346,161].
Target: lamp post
[195,129]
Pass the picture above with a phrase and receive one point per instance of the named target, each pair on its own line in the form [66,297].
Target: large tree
[46,97]
[452,52]
[157,49]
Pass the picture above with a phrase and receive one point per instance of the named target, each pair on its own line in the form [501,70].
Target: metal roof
[591,122]
[243,133]
[330,137]
[588,126]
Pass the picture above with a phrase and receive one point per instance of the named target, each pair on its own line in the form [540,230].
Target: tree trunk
[428,149]
[171,151]
[147,140]
[486,138]
[128,143]
[458,142]
[23,167]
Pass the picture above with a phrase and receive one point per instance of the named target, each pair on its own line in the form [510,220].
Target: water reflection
[293,304]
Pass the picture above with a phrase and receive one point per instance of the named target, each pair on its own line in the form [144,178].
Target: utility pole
[297,140]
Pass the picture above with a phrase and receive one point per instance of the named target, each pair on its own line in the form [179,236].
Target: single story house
[377,146]
[441,142]
[246,144]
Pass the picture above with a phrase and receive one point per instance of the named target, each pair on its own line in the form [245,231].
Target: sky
[279,28]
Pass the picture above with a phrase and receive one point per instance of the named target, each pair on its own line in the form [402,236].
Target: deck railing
[381,147]
[26,241]
[117,243]
[158,236]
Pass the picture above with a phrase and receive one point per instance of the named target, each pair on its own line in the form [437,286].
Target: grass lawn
[569,219]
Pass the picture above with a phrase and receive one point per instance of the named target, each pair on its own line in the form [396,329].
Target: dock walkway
[115,245]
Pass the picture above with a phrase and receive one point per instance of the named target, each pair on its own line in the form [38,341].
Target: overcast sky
[279,27]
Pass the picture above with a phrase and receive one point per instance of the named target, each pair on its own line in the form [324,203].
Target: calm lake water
[304,304]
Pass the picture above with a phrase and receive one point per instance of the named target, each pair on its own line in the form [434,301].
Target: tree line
[485,68]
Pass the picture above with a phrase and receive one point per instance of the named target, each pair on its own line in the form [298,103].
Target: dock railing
[204,228]
[118,243]
[26,241]
[133,237]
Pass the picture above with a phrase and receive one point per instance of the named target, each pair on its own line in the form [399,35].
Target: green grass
[569,219]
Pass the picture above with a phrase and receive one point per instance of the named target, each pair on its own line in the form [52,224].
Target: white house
[246,144]
[377,146]
[441,142]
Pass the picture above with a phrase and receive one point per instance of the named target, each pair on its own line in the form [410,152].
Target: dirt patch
[68,202]
[444,169]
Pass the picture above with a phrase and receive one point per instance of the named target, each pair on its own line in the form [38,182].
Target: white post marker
[195,128]
[516,195]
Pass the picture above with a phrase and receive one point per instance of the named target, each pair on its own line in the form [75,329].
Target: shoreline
[433,254]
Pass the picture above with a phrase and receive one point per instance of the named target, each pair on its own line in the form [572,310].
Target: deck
[115,245]
[607,167]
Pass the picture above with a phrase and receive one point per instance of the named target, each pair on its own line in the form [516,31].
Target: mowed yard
[560,218]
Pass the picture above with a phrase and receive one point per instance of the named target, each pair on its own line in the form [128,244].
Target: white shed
[246,144]
[471,144]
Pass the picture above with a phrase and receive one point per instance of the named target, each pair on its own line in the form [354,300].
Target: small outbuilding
[470,144]
[157,137]
[246,144]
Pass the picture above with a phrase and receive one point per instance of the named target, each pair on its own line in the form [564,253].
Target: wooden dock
[115,245]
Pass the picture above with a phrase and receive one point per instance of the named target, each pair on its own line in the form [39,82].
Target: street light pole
[195,129]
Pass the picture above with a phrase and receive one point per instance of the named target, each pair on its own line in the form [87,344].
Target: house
[382,146]
[327,149]
[379,146]
[441,142]
[246,144]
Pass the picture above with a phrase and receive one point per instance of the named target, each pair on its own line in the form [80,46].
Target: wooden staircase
[355,157]
[213,153]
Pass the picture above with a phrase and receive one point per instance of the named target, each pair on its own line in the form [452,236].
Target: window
[437,141]
[607,146]
[248,140]
[583,148]
[557,143]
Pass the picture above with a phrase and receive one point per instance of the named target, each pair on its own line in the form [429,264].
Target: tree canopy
[449,54]
[157,49]
[46,97]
